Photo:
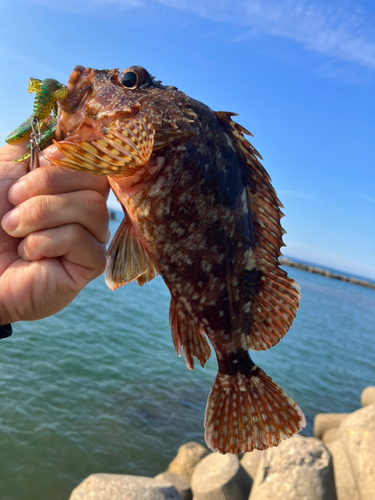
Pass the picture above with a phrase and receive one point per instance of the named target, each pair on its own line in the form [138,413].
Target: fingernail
[17,193]
[10,221]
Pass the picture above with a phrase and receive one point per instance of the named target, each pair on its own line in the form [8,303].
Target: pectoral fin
[121,152]
[127,259]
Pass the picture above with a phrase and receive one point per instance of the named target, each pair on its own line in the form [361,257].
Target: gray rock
[181,483]
[122,487]
[346,487]
[188,456]
[358,436]
[298,469]
[331,435]
[220,477]
[368,396]
[250,462]
[325,421]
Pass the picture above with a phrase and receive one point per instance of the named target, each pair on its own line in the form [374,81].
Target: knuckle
[96,205]
[40,181]
[30,245]
[34,210]
[46,178]
[77,232]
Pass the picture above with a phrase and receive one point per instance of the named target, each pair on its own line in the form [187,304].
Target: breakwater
[337,464]
[325,272]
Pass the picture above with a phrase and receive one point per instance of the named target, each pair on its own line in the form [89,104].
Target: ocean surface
[99,388]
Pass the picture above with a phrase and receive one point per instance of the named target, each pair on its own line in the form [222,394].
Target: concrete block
[358,437]
[220,477]
[181,483]
[299,468]
[325,421]
[123,487]
[346,488]
[368,396]
[188,456]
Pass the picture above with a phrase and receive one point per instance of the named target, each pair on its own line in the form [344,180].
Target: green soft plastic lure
[48,92]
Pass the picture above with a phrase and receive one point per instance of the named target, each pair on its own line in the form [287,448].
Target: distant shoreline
[324,272]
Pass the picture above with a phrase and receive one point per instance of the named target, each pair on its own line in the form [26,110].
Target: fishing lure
[41,126]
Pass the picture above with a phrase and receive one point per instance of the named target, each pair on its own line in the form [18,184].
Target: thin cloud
[305,196]
[340,29]
[365,197]
[27,61]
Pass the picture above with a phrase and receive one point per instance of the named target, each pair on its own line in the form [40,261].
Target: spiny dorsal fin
[127,259]
[273,307]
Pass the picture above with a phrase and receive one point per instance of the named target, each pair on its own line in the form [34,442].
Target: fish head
[99,100]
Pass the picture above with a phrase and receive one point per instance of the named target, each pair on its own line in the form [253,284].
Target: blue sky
[300,74]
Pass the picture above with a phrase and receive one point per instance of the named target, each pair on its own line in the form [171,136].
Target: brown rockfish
[200,211]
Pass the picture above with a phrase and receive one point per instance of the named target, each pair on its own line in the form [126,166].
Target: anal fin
[187,333]
[127,258]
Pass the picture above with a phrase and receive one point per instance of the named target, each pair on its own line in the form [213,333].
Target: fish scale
[200,210]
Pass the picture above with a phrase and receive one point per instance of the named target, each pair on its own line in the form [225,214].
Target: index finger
[9,168]
[50,180]
[10,172]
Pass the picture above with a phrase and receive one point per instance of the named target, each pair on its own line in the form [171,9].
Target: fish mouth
[81,86]
[86,102]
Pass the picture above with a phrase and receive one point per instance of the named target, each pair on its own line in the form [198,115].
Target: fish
[201,212]
[41,123]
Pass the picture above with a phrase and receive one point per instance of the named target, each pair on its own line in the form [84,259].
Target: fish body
[48,92]
[200,211]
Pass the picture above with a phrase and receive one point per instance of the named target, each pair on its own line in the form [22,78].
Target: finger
[87,208]
[55,180]
[10,172]
[9,152]
[5,184]
[73,242]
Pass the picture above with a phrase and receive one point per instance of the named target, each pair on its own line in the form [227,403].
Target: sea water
[99,387]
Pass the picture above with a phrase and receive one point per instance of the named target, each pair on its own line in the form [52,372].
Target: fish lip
[79,79]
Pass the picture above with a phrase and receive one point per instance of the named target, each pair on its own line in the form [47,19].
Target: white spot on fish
[245,205]
[221,258]
[247,307]
[249,260]
[205,266]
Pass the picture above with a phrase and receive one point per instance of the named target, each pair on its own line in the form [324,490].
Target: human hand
[54,242]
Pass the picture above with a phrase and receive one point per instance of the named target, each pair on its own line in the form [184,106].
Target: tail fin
[246,412]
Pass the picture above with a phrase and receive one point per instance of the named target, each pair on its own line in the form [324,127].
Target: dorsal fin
[275,297]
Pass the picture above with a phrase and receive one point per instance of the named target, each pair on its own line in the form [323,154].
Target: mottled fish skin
[199,210]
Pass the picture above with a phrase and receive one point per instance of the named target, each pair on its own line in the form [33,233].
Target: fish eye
[129,79]
[134,77]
